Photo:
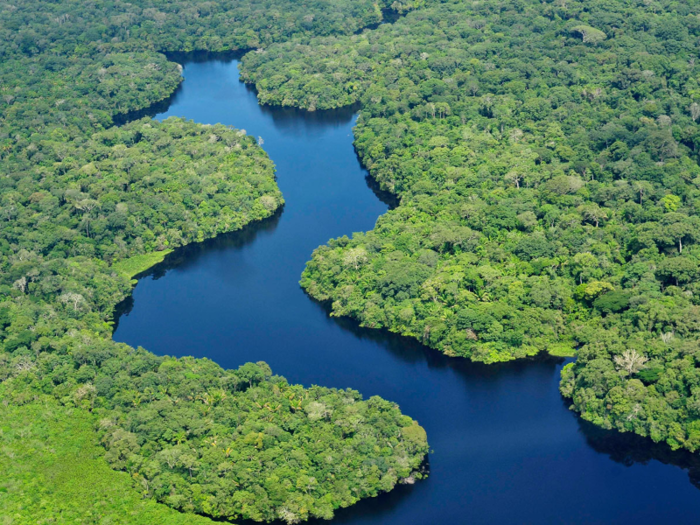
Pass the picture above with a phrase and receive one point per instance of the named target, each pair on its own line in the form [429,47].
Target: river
[506,447]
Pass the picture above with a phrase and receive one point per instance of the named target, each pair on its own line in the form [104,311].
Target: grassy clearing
[53,472]
[133,266]
[561,350]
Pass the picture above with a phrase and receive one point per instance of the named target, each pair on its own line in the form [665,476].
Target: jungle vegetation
[52,465]
[545,158]
[545,154]
[85,206]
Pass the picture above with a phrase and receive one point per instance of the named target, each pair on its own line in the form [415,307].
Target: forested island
[544,155]
[85,207]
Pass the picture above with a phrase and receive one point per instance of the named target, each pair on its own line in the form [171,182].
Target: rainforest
[545,156]
[540,161]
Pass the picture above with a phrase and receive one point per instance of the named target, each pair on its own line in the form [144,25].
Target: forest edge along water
[506,447]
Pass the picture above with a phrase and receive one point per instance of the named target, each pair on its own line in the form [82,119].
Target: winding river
[506,447]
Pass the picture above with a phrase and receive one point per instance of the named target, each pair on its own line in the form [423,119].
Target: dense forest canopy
[86,205]
[546,158]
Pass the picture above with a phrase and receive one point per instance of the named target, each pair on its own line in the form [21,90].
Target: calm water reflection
[506,448]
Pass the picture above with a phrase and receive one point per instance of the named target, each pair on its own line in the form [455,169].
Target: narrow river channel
[506,447]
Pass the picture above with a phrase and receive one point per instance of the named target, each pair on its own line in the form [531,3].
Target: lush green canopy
[84,206]
[546,158]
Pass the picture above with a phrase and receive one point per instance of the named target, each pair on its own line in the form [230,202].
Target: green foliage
[612,302]
[135,189]
[545,157]
[589,34]
[54,472]
[228,444]
[137,264]
[561,350]
[84,207]
[70,27]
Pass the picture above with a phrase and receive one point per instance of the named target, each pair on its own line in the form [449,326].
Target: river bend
[506,447]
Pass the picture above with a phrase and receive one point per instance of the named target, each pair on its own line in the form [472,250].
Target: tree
[21,284]
[355,257]
[86,392]
[251,373]
[612,302]
[171,457]
[694,111]
[680,270]
[72,298]
[594,213]
[269,202]
[86,206]
[189,462]
[590,35]
[671,202]
[642,187]
[514,177]
[630,361]
[590,291]
[24,364]
[583,262]
[677,228]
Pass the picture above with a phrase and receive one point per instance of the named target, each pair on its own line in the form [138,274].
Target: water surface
[506,447]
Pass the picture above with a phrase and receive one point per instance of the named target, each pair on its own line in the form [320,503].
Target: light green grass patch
[561,350]
[139,263]
[53,471]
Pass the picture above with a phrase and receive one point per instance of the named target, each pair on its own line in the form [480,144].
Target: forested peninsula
[546,159]
[85,206]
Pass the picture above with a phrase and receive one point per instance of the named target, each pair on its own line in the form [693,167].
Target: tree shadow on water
[624,448]
[378,507]
[412,351]
[388,198]
[630,449]
[301,121]
[188,255]
[151,111]
[200,57]
[375,508]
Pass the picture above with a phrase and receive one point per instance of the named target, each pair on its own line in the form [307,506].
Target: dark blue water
[506,448]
